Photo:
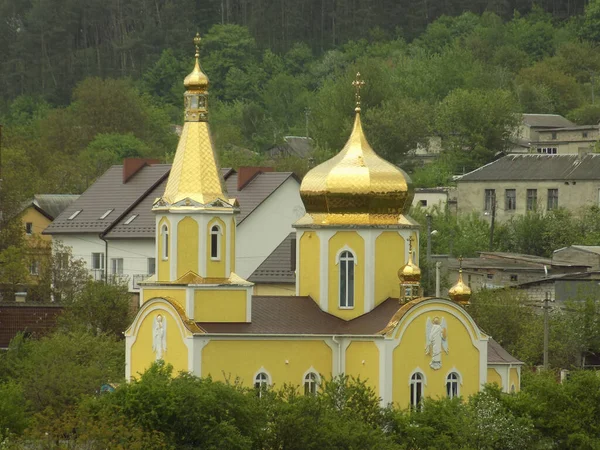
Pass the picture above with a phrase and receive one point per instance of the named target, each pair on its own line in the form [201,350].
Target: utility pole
[438,265]
[306,117]
[1,199]
[493,222]
[429,220]
[546,326]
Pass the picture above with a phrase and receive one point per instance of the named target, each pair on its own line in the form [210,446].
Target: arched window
[416,391]
[165,242]
[215,242]
[311,380]
[452,385]
[347,263]
[261,383]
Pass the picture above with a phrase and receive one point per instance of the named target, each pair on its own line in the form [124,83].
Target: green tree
[13,410]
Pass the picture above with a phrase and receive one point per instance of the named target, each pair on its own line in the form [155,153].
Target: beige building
[442,197]
[516,184]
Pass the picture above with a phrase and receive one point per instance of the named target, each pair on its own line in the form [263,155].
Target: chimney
[131,166]
[248,173]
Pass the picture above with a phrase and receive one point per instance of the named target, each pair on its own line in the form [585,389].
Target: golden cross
[410,242]
[197,40]
[358,84]
[460,260]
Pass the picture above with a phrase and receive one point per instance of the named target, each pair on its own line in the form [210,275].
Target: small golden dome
[196,80]
[460,292]
[410,271]
[357,180]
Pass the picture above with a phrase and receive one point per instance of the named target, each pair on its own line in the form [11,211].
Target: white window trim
[338,256]
[317,378]
[114,265]
[459,381]
[266,372]
[219,240]
[164,235]
[419,371]
[411,383]
[100,260]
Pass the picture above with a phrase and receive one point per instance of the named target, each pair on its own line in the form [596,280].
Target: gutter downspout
[101,236]
[339,363]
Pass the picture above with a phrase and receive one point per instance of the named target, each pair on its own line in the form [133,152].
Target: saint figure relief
[159,336]
[436,337]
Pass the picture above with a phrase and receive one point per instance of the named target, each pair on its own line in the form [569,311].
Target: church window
[29,228]
[261,383]
[215,242]
[165,242]
[310,383]
[346,280]
[416,390]
[452,382]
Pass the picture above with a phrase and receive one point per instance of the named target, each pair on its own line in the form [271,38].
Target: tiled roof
[277,267]
[301,315]
[249,198]
[538,167]
[546,120]
[497,355]
[52,204]
[108,192]
[28,318]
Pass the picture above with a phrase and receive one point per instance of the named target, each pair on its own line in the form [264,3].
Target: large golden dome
[359,183]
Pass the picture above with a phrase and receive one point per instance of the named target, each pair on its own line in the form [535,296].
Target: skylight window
[131,219]
[75,214]
[105,215]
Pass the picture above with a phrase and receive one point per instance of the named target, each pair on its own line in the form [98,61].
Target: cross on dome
[358,85]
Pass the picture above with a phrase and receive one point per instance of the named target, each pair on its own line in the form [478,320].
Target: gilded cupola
[460,292]
[410,278]
[410,271]
[357,186]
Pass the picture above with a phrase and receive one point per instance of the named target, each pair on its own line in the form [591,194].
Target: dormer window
[164,231]
[215,243]
[75,214]
[105,215]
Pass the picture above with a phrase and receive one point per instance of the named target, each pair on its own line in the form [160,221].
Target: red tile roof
[28,318]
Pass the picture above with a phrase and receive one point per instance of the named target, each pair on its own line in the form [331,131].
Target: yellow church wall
[410,354]
[309,280]
[415,246]
[389,257]
[356,243]
[163,267]
[243,358]
[187,246]
[219,305]
[175,294]
[279,289]
[513,378]
[362,361]
[232,249]
[142,355]
[38,221]
[494,377]
[216,268]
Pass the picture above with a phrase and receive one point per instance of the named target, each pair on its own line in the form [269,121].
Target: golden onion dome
[460,292]
[196,80]
[357,181]
[410,272]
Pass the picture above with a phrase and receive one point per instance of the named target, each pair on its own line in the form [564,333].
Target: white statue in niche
[436,336]
[159,336]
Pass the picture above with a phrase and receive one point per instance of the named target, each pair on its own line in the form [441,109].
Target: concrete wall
[431,199]
[571,196]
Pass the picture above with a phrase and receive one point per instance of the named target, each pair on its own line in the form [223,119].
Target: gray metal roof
[588,248]
[546,120]
[538,167]
[277,267]
[51,204]
[497,355]
[249,198]
[576,128]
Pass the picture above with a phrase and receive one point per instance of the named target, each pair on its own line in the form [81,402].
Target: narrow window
[151,266]
[416,391]
[29,228]
[552,199]
[293,254]
[510,199]
[489,199]
[131,219]
[165,242]
[261,383]
[452,385]
[531,199]
[34,268]
[514,278]
[423,203]
[75,214]
[584,134]
[62,260]
[554,135]
[98,265]
[310,383]
[215,242]
[346,280]
[105,215]
[117,266]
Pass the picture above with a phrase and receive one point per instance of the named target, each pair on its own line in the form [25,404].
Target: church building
[358,308]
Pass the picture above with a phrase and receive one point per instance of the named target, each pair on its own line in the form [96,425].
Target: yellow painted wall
[232,256]
[415,246]
[163,269]
[39,223]
[176,354]
[220,305]
[514,379]
[353,240]
[309,265]
[176,294]
[389,257]
[279,289]
[216,269]
[494,377]
[410,354]
[244,358]
[367,351]
[187,246]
